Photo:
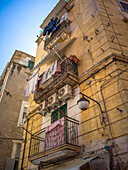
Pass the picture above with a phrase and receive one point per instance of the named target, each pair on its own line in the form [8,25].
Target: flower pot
[74,59]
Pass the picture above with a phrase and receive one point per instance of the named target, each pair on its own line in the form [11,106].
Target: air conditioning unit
[43,107]
[65,92]
[53,101]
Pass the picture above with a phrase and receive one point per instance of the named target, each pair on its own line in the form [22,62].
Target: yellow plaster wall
[90,18]
[34,125]
[99,46]
[40,53]
[32,104]
[115,95]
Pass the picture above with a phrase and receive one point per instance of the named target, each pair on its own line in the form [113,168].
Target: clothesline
[31,85]
[33,75]
[33,81]
[60,46]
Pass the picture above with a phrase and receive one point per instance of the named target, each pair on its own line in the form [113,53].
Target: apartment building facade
[82,52]
[13,107]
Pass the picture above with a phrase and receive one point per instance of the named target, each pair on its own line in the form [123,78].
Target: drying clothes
[58,71]
[49,72]
[32,82]
[54,134]
[38,84]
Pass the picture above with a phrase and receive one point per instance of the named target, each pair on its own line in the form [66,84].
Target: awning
[75,164]
[80,163]
[49,57]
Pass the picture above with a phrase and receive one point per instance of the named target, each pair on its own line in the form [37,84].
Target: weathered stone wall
[107,33]
[9,112]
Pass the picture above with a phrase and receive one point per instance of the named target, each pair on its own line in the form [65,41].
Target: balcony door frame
[58,116]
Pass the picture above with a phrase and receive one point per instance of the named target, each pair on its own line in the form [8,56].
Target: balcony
[60,35]
[55,143]
[69,75]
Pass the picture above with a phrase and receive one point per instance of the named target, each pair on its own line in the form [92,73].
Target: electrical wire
[10,138]
[112,27]
[113,143]
[101,88]
[98,97]
[78,25]
[108,80]
[85,37]
[84,34]
[120,92]
[111,154]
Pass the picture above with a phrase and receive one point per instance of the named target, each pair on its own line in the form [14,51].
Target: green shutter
[57,114]
[30,64]
[1,87]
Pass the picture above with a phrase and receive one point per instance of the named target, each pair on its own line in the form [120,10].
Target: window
[123,5]
[23,112]
[15,155]
[57,114]
[1,87]
[30,64]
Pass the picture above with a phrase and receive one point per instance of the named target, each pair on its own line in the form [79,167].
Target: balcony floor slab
[57,154]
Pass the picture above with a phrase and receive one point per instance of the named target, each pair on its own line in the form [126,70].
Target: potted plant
[74,59]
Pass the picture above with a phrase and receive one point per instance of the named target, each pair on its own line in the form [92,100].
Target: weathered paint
[102,22]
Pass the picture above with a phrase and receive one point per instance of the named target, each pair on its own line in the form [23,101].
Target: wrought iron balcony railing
[59,34]
[68,75]
[60,136]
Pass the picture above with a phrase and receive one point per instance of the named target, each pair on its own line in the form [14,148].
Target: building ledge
[101,65]
[57,154]
[68,76]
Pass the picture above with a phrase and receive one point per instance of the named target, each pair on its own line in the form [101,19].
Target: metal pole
[97,103]
[24,148]
[53,48]
[57,53]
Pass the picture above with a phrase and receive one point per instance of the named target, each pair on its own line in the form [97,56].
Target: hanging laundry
[49,72]
[32,82]
[38,84]
[58,71]
[54,134]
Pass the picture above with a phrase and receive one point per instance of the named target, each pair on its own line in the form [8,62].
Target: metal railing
[61,28]
[67,67]
[68,135]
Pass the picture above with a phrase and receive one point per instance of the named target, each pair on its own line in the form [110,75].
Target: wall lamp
[83,104]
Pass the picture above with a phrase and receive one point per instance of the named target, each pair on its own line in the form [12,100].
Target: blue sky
[19,26]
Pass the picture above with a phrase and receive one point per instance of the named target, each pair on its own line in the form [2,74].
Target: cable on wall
[85,37]
[120,92]
[97,92]
[113,27]
[101,90]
